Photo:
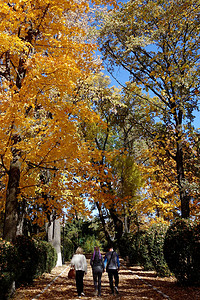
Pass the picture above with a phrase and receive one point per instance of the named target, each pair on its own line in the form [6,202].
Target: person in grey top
[97,265]
[80,264]
[111,263]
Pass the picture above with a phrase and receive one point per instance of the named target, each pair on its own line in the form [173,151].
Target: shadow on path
[133,284]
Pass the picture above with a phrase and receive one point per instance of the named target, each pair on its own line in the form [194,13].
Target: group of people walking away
[110,263]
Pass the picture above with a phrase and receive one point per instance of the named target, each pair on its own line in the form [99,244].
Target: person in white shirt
[80,264]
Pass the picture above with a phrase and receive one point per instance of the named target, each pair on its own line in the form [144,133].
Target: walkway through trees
[134,284]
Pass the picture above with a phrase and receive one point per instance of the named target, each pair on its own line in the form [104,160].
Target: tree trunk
[11,209]
[185,207]
[184,198]
[127,222]
[21,217]
[103,223]
[117,223]
[54,238]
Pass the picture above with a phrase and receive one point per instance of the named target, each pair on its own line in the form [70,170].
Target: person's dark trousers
[79,281]
[111,274]
[97,281]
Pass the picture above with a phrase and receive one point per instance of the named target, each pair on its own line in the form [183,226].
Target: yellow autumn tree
[44,52]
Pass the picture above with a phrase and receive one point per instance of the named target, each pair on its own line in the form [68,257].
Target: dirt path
[134,284]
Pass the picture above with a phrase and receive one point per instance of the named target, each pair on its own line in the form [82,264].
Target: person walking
[97,265]
[112,265]
[80,264]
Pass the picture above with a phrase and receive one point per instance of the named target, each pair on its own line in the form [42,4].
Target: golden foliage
[44,53]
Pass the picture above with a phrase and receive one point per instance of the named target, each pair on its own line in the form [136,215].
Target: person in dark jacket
[112,265]
[97,265]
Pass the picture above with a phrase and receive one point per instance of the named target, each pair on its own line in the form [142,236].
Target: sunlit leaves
[44,52]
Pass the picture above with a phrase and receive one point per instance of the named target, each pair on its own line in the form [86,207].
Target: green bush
[6,284]
[135,247]
[47,254]
[144,256]
[146,248]
[51,259]
[34,258]
[196,255]
[89,243]
[8,258]
[42,259]
[68,249]
[128,247]
[182,251]
[154,240]
[23,262]
[28,258]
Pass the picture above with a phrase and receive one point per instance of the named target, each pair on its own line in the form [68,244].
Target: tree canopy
[45,51]
[157,42]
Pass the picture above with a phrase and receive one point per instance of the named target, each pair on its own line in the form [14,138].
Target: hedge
[182,251]
[68,249]
[146,249]
[8,269]
[23,261]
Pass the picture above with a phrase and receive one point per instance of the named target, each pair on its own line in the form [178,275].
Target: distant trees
[116,176]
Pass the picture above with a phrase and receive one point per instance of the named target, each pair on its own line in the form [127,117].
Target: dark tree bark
[117,223]
[11,209]
[185,199]
[108,238]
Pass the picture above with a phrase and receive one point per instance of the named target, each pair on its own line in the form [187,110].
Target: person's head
[96,252]
[79,250]
[96,249]
[110,247]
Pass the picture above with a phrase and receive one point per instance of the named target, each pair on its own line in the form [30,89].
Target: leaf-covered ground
[134,284]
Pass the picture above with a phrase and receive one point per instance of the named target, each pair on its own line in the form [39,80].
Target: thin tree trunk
[11,209]
[54,238]
[184,198]
[103,223]
[127,222]
[117,223]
